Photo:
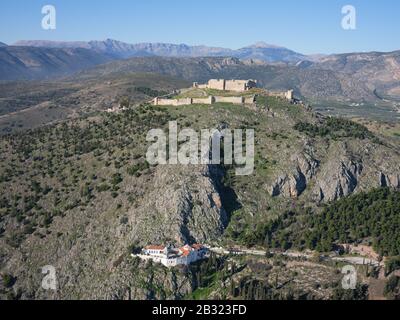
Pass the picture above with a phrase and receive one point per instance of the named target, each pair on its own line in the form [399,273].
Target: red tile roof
[155,248]
[185,253]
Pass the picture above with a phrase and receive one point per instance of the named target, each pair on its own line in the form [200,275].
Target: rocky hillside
[190,69]
[121,201]
[25,63]
[375,81]
[25,105]
[79,195]
[378,72]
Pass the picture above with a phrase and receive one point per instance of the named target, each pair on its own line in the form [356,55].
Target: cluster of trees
[359,293]
[150,92]
[370,216]
[207,271]
[335,128]
[279,233]
[392,264]
[392,288]
[251,289]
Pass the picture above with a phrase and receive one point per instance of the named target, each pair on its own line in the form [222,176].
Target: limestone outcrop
[340,181]
[185,204]
[330,173]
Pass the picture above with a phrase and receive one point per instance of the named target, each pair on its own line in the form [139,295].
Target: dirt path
[376,289]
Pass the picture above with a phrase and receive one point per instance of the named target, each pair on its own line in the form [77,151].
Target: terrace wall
[208,100]
[234,100]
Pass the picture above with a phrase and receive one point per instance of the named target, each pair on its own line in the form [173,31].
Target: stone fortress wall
[209,100]
[172,102]
[217,84]
[234,100]
[240,85]
[227,85]
[289,95]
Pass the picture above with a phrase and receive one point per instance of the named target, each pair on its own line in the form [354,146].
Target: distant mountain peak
[264,45]
[113,41]
[2,44]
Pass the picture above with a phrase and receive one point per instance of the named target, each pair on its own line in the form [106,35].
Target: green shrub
[392,288]
[116,179]
[392,264]
[8,280]
[150,92]
[103,187]
[335,128]
[137,168]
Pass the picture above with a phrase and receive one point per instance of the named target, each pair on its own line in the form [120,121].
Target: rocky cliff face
[340,181]
[339,170]
[184,207]
[389,180]
[290,186]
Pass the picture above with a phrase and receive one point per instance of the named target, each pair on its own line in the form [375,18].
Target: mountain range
[27,63]
[261,50]
[346,78]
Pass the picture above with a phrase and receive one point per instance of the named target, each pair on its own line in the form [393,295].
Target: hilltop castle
[240,86]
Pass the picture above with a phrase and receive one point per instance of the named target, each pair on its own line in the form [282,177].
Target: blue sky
[306,26]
